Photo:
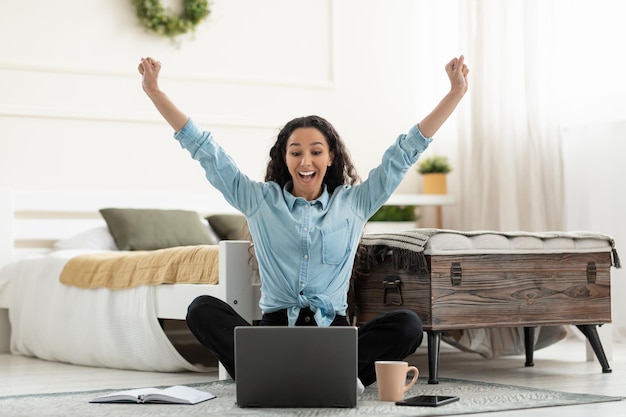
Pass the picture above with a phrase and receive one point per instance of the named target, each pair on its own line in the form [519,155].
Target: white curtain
[593,103]
[509,158]
[509,149]
[540,69]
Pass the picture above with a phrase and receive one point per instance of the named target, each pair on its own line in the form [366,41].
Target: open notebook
[178,394]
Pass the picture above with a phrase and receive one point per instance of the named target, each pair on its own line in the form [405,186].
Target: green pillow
[229,226]
[150,229]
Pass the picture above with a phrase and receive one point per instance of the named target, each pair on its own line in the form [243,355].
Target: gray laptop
[296,367]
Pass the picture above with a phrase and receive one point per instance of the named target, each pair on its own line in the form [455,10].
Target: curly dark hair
[341,172]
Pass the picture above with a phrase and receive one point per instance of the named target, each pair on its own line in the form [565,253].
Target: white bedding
[101,327]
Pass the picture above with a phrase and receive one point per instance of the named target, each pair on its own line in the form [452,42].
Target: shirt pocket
[335,245]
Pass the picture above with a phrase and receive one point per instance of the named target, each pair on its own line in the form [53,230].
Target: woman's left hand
[457,73]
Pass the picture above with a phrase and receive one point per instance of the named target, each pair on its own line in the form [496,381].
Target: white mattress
[101,327]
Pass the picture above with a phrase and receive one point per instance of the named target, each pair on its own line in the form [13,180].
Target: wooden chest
[470,280]
[504,290]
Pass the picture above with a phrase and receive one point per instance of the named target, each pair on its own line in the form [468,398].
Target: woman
[306,220]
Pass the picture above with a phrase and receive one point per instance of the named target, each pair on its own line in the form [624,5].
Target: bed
[43,232]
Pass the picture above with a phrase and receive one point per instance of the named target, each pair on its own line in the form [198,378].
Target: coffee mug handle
[416,373]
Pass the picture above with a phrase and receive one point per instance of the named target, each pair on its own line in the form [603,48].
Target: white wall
[73,116]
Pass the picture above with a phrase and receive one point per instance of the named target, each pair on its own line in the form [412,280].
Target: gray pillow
[229,226]
[151,229]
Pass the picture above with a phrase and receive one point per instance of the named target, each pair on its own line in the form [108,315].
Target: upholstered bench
[462,280]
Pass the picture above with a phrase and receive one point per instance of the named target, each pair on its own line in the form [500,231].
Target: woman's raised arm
[457,73]
[149,68]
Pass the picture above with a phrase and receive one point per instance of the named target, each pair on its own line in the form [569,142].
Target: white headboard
[31,221]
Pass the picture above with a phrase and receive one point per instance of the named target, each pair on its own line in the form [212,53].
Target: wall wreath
[156,18]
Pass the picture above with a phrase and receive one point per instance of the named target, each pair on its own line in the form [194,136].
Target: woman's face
[307,157]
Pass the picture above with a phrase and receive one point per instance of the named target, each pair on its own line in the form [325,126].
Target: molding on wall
[326,83]
[22,70]
[77,114]
[187,76]
[329,82]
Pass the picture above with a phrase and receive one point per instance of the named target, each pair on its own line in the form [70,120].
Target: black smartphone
[428,400]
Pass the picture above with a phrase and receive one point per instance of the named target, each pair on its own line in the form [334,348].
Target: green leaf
[434,164]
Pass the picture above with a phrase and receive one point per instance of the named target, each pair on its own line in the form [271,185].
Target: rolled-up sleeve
[414,143]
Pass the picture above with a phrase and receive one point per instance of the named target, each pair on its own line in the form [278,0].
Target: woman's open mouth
[307,176]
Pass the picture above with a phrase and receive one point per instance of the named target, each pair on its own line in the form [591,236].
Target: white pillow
[98,238]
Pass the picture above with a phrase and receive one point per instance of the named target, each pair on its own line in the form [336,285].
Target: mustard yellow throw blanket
[127,269]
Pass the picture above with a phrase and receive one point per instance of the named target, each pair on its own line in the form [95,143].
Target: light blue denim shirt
[305,249]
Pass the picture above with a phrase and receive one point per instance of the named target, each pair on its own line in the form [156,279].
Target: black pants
[392,336]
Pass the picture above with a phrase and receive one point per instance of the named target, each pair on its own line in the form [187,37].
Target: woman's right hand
[149,68]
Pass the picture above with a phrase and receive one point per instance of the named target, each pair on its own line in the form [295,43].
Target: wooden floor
[562,367]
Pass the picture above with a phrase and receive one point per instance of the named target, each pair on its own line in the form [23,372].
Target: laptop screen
[305,366]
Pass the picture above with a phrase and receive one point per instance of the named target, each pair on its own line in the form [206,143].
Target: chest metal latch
[591,272]
[456,273]
[392,286]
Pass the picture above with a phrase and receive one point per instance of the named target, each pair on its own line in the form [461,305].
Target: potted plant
[433,170]
[392,219]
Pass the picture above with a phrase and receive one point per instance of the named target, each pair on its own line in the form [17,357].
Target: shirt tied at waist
[320,305]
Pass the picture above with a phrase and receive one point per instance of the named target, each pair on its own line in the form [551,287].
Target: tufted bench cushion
[448,242]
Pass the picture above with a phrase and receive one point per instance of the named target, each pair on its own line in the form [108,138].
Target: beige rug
[475,397]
